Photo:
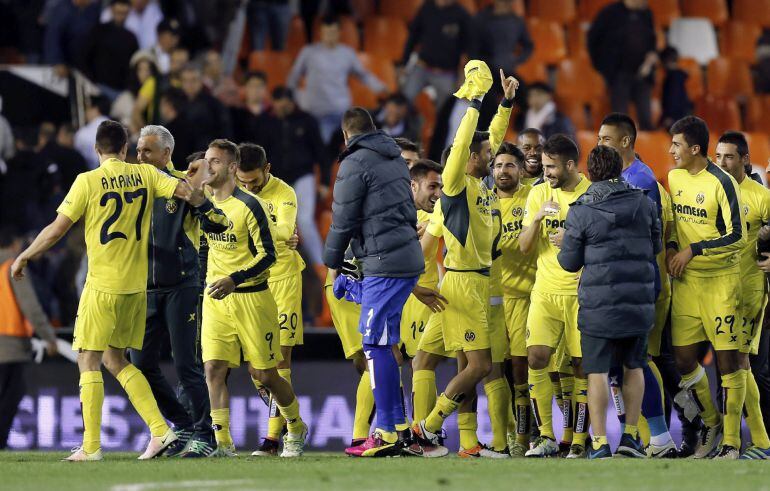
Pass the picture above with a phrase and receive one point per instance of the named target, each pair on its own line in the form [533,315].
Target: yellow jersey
[496,271]
[531,181]
[429,279]
[246,251]
[115,201]
[667,219]
[281,201]
[708,219]
[550,277]
[755,199]
[518,269]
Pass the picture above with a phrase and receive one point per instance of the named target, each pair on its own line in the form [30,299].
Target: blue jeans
[382,300]
[267,18]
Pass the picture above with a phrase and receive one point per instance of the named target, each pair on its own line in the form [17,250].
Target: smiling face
[427,190]
[507,172]
[532,146]
[221,166]
[150,151]
[253,180]
[556,172]
[613,137]
[684,154]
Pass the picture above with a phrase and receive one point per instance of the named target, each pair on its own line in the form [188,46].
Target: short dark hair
[422,167]
[397,98]
[695,132]
[227,146]
[669,54]
[330,19]
[357,121]
[407,145]
[111,137]
[542,86]
[283,92]
[175,97]
[623,122]
[532,131]
[195,156]
[478,138]
[738,139]
[604,163]
[256,74]
[508,148]
[253,157]
[124,2]
[562,146]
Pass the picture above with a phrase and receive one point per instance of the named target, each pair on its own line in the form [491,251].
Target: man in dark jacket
[613,233]
[373,212]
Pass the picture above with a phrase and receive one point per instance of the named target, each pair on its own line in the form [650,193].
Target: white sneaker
[434,451]
[158,444]
[294,445]
[544,447]
[666,451]
[224,451]
[576,452]
[80,455]
[711,437]
[490,453]
[726,452]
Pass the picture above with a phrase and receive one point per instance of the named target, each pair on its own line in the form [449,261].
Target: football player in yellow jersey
[285,276]
[240,317]
[113,202]
[530,141]
[467,227]
[732,155]
[703,257]
[553,302]
[518,277]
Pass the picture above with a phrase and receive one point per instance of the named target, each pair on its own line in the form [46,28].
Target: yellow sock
[443,409]
[140,395]
[631,430]
[541,397]
[644,430]
[423,393]
[498,406]
[220,420]
[467,423]
[521,400]
[702,393]
[362,420]
[567,383]
[294,423]
[276,421]
[659,378]
[753,413]
[580,431]
[599,440]
[734,385]
[91,401]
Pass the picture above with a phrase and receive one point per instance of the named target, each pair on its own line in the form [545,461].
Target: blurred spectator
[762,83]
[326,66]
[85,137]
[221,86]
[7,145]
[621,42]
[206,117]
[269,17]
[294,148]
[309,10]
[168,40]
[397,119]
[676,104]
[145,111]
[142,80]
[20,195]
[69,24]
[501,38]
[59,155]
[107,51]
[410,151]
[440,33]
[256,103]
[448,120]
[543,114]
[143,21]
[172,102]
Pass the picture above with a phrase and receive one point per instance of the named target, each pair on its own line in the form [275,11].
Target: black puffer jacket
[374,211]
[613,233]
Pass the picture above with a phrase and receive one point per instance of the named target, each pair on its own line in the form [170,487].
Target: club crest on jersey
[700,198]
[517,212]
[171,206]
[470,336]
[745,209]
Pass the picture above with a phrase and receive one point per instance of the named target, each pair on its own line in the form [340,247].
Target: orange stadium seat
[548,38]
[752,11]
[426,107]
[759,148]
[384,69]
[664,11]
[738,40]
[652,147]
[729,77]
[721,113]
[275,64]
[586,141]
[577,40]
[348,32]
[576,112]
[589,8]
[405,9]
[385,37]
[296,38]
[576,79]
[713,10]
[561,11]
[757,109]
[532,71]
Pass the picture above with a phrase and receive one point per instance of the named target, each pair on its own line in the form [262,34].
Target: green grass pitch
[322,471]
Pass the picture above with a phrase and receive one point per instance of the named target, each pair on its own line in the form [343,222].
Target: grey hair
[164,135]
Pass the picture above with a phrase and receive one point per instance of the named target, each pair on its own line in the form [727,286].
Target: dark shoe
[199,449]
[179,446]
[603,452]
[630,447]
[269,448]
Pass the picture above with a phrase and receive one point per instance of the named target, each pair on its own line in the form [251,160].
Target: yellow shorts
[109,320]
[498,333]
[706,309]
[345,316]
[561,360]
[241,322]
[432,340]
[753,305]
[287,293]
[662,309]
[551,317]
[516,311]
[414,318]
[464,322]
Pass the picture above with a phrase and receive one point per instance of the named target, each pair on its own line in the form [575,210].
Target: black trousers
[626,87]
[12,389]
[760,367]
[174,314]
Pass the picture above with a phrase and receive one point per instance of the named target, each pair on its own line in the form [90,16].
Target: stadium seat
[296,37]
[575,111]
[729,77]
[752,11]
[275,64]
[577,40]
[561,11]
[427,109]
[652,147]
[405,9]
[586,141]
[384,70]
[664,11]
[759,148]
[532,71]
[757,109]
[385,37]
[694,38]
[548,37]
[576,79]
[721,113]
[713,10]
[348,32]
[738,40]
[589,8]
[518,6]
